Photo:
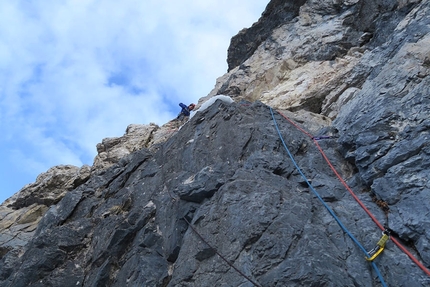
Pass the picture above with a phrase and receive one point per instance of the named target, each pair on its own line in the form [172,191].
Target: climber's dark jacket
[185,111]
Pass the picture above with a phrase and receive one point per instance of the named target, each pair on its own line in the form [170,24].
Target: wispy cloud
[74,72]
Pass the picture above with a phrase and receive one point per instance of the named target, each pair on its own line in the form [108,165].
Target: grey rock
[111,150]
[128,225]
[21,214]
[244,44]
[387,135]
[50,187]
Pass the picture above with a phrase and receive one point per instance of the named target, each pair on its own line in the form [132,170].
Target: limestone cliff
[220,201]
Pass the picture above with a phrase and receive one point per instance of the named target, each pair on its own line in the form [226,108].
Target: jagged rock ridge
[356,69]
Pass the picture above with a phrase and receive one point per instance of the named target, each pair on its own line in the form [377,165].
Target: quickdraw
[379,246]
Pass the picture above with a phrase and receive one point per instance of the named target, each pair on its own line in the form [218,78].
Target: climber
[185,112]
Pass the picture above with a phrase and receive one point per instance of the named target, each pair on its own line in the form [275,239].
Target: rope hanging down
[323,202]
[419,264]
[221,256]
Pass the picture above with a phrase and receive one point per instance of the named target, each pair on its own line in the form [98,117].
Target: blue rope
[323,202]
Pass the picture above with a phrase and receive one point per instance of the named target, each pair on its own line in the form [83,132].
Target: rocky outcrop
[315,60]
[244,44]
[136,137]
[111,150]
[21,213]
[50,187]
[220,202]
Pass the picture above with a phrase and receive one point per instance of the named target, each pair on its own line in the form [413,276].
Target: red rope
[347,187]
[419,264]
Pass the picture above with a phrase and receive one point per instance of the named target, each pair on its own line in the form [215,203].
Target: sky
[73,72]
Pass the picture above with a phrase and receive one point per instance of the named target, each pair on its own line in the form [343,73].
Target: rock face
[316,60]
[136,137]
[387,137]
[227,174]
[233,181]
[244,44]
[221,203]
[21,213]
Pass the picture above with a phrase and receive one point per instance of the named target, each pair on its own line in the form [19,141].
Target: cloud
[74,72]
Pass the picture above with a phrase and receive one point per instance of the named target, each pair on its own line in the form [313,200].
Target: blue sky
[73,72]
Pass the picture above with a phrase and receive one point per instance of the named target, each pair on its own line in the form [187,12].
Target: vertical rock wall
[228,174]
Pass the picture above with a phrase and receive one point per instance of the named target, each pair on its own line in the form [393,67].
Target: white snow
[212,100]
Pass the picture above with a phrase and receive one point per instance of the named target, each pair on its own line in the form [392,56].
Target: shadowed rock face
[354,69]
[228,174]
